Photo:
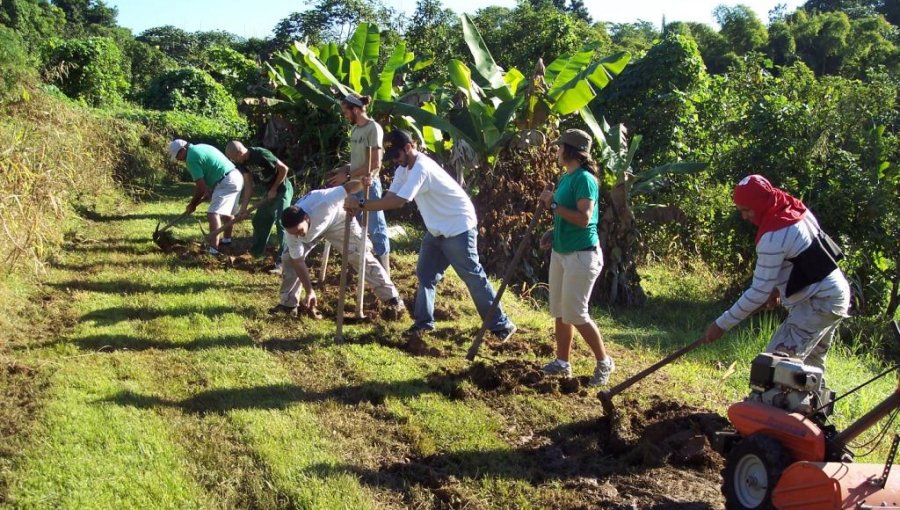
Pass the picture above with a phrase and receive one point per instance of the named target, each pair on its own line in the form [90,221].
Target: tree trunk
[619,283]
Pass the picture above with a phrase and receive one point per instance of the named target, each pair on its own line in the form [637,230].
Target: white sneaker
[558,366]
[225,240]
[604,367]
[212,251]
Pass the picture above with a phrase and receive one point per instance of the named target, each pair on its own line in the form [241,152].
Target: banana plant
[491,106]
[618,229]
[326,73]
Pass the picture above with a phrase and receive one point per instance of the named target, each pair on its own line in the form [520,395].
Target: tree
[435,32]
[35,21]
[635,38]
[741,28]
[782,48]
[173,41]
[333,21]
[82,13]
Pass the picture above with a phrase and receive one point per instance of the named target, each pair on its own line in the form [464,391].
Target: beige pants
[810,325]
[377,278]
[572,277]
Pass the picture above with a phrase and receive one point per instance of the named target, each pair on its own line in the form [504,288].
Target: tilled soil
[659,458]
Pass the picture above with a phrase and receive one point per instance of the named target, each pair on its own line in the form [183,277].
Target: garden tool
[326,252]
[164,239]
[606,396]
[234,220]
[342,296]
[510,270]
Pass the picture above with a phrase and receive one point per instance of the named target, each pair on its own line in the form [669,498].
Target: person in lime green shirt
[576,259]
[216,177]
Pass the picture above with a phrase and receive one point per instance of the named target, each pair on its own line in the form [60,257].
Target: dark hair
[365,100]
[582,157]
[293,216]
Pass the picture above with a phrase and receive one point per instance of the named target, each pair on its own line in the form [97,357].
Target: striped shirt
[773,269]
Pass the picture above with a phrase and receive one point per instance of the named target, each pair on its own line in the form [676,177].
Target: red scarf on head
[773,209]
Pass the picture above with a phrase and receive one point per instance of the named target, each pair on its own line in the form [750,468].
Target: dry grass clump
[58,158]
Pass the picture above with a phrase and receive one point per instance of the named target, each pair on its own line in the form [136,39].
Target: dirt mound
[666,433]
[512,375]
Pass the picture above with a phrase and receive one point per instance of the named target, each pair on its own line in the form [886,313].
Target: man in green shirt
[259,165]
[215,178]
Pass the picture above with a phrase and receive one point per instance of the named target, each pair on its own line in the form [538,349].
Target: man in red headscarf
[795,262]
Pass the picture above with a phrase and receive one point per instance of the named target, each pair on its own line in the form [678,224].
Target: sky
[257,18]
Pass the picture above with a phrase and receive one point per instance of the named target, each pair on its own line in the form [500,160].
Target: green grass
[153,382]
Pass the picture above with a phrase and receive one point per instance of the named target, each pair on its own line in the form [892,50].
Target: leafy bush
[193,91]
[91,70]
[196,128]
[14,66]
[34,20]
[228,67]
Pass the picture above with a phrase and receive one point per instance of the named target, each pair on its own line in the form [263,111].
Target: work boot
[280,308]
[558,367]
[604,367]
[504,334]
[415,332]
[393,310]
[385,261]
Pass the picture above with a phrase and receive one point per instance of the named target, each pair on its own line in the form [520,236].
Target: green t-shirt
[207,163]
[261,164]
[363,138]
[574,186]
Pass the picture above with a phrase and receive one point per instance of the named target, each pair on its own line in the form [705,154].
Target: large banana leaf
[319,70]
[426,118]
[484,62]
[365,43]
[399,58]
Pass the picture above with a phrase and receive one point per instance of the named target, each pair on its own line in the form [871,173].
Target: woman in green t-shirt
[576,260]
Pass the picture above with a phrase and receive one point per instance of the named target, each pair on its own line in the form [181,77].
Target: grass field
[147,380]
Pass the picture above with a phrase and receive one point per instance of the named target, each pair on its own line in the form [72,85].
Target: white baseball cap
[175,147]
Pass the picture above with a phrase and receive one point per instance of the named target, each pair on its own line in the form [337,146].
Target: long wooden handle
[234,220]
[510,270]
[627,383]
[342,296]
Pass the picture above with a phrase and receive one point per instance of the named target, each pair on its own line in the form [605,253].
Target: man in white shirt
[320,215]
[450,238]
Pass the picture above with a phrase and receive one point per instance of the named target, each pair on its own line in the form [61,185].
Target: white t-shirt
[322,206]
[444,205]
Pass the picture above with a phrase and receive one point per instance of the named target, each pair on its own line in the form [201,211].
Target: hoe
[784,456]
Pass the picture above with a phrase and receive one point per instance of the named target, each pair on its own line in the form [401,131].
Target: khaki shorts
[572,277]
[225,195]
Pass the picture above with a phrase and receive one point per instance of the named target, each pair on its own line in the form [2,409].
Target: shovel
[510,270]
[606,396]
[162,237]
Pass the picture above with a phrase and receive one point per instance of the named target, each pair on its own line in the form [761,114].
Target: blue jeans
[378,233]
[461,252]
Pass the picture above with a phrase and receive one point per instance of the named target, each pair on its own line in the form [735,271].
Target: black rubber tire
[762,455]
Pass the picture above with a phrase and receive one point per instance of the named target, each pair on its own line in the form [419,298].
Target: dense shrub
[193,91]
[91,70]
[15,70]
[228,67]
[196,128]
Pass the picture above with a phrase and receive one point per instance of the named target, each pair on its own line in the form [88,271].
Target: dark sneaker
[393,310]
[504,334]
[280,308]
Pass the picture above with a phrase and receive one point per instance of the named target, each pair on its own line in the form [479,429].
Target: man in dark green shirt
[260,166]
